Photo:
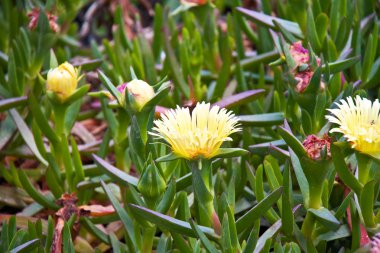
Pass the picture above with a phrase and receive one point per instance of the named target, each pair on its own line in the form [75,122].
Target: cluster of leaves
[130,196]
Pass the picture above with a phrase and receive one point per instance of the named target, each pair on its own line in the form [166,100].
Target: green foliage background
[225,52]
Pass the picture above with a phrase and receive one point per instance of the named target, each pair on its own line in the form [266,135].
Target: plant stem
[315,195]
[59,119]
[315,202]
[121,134]
[59,125]
[148,237]
[203,190]
[308,225]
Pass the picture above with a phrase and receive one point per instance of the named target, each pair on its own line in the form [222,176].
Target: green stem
[59,125]
[315,200]
[308,225]
[59,119]
[203,190]
[122,118]
[148,237]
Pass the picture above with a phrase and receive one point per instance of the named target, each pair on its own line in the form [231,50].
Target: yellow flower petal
[200,133]
[359,122]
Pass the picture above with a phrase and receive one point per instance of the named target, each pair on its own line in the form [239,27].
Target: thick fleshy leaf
[266,20]
[41,120]
[266,119]
[123,215]
[230,152]
[110,87]
[205,241]
[341,65]
[343,171]
[325,217]
[170,223]
[6,104]
[26,247]
[292,141]
[86,222]
[342,232]
[287,215]
[26,135]
[114,172]
[240,98]
[366,201]
[167,158]
[258,210]
[32,191]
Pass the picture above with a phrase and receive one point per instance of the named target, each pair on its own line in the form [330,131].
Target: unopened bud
[139,93]
[151,183]
[62,80]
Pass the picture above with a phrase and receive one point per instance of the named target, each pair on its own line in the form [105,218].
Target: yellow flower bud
[140,93]
[62,80]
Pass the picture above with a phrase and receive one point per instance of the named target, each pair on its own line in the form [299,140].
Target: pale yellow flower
[141,93]
[62,80]
[196,134]
[359,121]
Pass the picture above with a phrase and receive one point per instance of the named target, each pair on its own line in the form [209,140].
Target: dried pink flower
[301,56]
[299,53]
[33,20]
[314,146]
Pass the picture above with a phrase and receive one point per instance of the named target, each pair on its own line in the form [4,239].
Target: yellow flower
[200,133]
[360,124]
[62,80]
[140,91]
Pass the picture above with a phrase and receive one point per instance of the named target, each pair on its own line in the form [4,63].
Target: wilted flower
[140,93]
[200,133]
[303,80]
[62,80]
[302,71]
[316,146]
[360,124]
[299,53]
[33,20]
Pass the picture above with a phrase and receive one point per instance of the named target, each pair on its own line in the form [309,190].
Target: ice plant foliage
[62,80]
[359,121]
[196,134]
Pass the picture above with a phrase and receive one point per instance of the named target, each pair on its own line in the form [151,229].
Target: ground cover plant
[189,126]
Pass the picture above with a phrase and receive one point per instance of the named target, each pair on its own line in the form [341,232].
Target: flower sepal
[78,94]
[162,91]
[231,152]
[167,158]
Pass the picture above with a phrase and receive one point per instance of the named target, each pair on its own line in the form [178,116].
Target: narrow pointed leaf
[26,247]
[240,98]
[205,241]
[114,172]
[6,104]
[266,119]
[258,210]
[123,215]
[26,135]
[325,217]
[170,223]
